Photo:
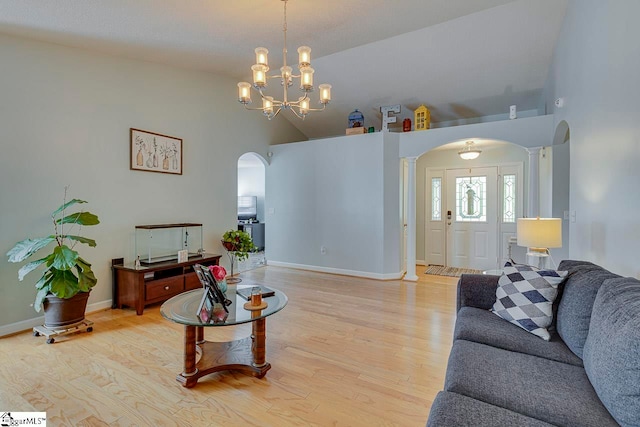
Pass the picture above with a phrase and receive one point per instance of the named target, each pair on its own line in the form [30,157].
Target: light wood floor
[344,352]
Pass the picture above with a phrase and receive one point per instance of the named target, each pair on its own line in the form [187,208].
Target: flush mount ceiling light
[469,152]
[270,106]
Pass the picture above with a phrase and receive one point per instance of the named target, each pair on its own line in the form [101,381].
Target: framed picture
[205,309]
[212,291]
[154,152]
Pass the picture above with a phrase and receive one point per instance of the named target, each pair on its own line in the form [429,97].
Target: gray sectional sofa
[588,374]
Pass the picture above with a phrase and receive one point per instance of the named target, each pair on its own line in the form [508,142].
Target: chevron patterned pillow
[525,297]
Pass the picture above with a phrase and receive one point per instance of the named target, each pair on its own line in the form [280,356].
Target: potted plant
[238,245]
[67,279]
[238,242]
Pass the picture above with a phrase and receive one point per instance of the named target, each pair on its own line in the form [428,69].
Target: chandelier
[271,107]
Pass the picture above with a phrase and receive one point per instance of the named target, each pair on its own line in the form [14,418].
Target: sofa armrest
[477,290]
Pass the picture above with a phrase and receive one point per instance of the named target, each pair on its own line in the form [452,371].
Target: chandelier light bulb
[267,106]
[259,75]
[261,56]
[286,73]
[244,93]
[304,56]
[325,93]
[303,101]
[306,79]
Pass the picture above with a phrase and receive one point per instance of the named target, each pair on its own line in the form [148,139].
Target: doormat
[441,270]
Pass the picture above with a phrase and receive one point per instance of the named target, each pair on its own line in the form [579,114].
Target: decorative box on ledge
[356,131]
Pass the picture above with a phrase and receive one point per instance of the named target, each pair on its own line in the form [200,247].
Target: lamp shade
[540,232]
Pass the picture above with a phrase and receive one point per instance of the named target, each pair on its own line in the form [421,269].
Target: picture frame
[205,309]
[154,152]
[212,291]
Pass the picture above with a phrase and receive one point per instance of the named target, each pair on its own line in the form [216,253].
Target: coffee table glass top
[183,308]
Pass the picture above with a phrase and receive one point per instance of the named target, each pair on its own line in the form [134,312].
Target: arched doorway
[467,209]
[251,206]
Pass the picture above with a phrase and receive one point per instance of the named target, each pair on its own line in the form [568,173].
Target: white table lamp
[538,235]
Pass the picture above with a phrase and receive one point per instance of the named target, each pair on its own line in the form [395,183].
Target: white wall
[338,193]
[65,116]
[595,68]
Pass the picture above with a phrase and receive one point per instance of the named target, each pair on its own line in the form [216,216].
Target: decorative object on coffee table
[67,279]
[220,274]
[238,245]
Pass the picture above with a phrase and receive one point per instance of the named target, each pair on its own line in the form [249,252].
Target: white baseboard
[421,262]
[343,272]
[25,325]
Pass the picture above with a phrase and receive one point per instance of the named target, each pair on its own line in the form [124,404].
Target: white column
[534,182]
[411,221]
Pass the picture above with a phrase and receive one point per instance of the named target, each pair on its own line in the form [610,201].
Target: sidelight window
[436,199]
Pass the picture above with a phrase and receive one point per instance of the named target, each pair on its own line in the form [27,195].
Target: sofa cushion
[557,393]
[452,409]
[482,326]
[578,294]
[525,297]
[612,349]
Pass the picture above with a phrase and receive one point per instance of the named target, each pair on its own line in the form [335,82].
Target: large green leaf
[86,278]
[24,249]
[84,265]
[66,205]
[44,281]
[82,218]
[64,258]
[64,284]
[28,268]
[81,239]
[40,296]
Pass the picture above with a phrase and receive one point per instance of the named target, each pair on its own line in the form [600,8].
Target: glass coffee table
[247,354]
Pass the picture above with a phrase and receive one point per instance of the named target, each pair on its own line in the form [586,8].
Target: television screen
[247,207]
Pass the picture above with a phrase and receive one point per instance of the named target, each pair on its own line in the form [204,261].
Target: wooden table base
[247,354]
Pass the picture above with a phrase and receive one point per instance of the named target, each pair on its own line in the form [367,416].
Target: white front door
[471,215]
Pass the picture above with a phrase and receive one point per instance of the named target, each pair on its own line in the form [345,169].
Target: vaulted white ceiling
[461,58]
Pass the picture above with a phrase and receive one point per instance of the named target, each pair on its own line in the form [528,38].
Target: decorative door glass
[436,199]
[471,199]
[509,202]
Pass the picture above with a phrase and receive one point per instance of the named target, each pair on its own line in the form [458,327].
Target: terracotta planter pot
[229,246]
[62,312]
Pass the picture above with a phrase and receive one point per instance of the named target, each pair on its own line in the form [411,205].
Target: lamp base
[539,257]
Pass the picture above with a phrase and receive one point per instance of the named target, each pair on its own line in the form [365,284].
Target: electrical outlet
[573,216]
[566,214]
[323,250]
